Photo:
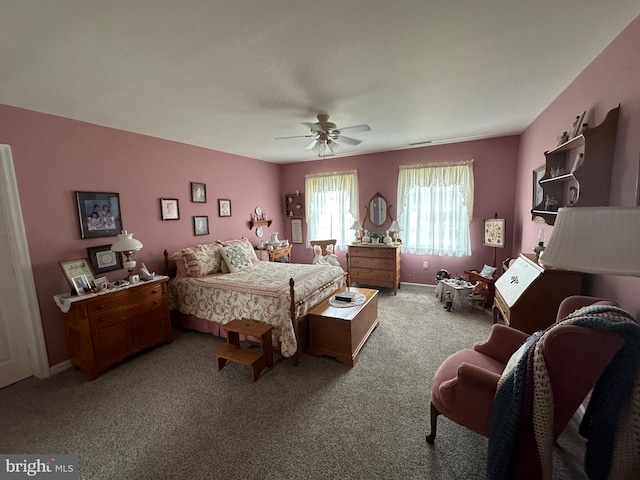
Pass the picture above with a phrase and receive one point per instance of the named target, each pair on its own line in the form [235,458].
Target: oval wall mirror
[377,210]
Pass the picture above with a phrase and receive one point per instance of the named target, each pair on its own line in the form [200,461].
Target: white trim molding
[22,265]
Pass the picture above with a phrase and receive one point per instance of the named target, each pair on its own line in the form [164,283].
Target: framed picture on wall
[198,192]
[538,173]
[169,209]
[296,230]
[99,214]
[224,207]
[201,225]
[103,259]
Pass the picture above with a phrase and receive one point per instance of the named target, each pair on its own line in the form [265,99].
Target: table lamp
[358,228]
[599,240]
[127,245]
[395,229]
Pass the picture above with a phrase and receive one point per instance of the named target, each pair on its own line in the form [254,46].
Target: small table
[459,291]
[342,332]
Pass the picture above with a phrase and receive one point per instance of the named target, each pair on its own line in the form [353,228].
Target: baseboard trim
[425,285]
[60,367]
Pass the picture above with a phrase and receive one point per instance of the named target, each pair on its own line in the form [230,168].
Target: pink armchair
[465,384]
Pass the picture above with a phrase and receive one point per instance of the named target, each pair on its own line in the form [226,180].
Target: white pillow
[236,258]
[487,271]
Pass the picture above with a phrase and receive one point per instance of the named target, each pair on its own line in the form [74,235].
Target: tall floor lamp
[599,240]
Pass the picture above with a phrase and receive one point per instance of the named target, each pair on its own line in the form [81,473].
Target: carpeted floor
[169,413]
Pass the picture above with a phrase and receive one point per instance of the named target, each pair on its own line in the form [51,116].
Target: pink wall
[494,170]
[54,157]
[610,79]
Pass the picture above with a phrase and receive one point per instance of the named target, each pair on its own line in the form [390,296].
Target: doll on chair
[329,259]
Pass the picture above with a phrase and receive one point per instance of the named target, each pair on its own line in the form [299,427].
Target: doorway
[22,347]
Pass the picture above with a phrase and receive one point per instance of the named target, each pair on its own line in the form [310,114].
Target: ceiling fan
[326,134]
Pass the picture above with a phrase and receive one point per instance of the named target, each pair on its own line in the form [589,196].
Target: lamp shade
[355,226]
[600,240]
[395,227]
[126,243]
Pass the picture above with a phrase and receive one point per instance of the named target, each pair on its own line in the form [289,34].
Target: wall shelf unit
[585,163]
[294,205]
[259,223]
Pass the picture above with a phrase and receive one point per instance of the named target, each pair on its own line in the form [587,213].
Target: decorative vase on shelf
[273,239]
[366,238]
[387,239]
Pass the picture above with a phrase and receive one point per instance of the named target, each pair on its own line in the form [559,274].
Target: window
[332,206]
[435,204]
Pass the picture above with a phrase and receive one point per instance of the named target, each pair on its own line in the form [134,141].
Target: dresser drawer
[369,262]
[124,310]
[375,252]
[127,297]
[371,274]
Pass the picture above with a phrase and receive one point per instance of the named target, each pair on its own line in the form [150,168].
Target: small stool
[477,299]
[232,351]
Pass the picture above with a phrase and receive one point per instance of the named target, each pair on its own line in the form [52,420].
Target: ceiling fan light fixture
[333,146]
[319,147]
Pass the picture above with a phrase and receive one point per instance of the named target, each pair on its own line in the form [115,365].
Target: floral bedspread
[260,292]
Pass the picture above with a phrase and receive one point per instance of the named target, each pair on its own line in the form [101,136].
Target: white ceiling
[232,75]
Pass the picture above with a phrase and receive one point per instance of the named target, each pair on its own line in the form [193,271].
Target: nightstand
[105,328]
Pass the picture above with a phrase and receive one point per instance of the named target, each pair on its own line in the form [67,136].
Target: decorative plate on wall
[259,232]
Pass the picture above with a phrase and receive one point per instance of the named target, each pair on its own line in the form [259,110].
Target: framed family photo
[99,214]
[103,259]
[198,192]
[224,207]
[81,284]
[169,209]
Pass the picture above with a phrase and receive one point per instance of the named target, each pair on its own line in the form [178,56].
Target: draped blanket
[612,421]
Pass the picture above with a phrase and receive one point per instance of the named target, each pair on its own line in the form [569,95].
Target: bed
[219,282]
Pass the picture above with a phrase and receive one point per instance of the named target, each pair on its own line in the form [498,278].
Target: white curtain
[435,207]
[331,206]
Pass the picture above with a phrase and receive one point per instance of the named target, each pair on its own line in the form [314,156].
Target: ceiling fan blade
[349,140]
[311,145]
[295,136]
[356,129]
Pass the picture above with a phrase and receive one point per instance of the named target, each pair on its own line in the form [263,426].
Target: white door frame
[21,260]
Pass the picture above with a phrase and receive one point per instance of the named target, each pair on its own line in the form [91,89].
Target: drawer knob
[155,302]
[154,291]
[100,307]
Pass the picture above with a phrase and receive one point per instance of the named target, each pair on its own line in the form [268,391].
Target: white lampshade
[395,227]
[355,225]
[126,243]
[600,240]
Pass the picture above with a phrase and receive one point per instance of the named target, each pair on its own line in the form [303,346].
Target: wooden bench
[256,360]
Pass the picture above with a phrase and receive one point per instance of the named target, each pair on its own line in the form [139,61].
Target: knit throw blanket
[611,423]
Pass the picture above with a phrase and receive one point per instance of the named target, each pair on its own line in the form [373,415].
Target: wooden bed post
[294,322]
[166,263]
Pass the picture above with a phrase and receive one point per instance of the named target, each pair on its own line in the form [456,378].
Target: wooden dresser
[374,265]
[105,328]
[528,296]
